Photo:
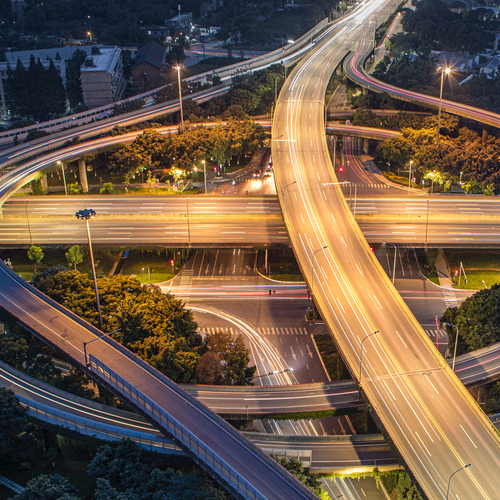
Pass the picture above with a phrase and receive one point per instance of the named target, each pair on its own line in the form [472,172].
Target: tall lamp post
[409,177]
[443,72]
[289,184]
[449,480]
[178,68]
[312,271]
[28,220]
[456,342]
[205,174]
[187,215]
[64,177]
[361,360]
[395,254]
[85,215]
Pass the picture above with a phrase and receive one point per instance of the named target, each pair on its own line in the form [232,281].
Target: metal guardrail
[208,457]
[95,429]
[16,488]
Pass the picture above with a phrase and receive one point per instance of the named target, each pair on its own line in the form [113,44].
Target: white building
[102,76]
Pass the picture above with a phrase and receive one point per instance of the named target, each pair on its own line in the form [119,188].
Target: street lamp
[395,254]
[409,177]
[456,342]
[93,340]
[289,184]
[178,68]
[187,215]
[449,480]
[64,177]
[443,71]
[87,214]
[205,174]
[270,373]
[361,359]
[312,271]
[28,219]
[142,276]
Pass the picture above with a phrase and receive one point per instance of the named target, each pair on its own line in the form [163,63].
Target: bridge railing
[99,430]
[187,439]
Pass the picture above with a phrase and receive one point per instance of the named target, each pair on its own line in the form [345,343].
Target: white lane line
[468,436]
[432,385]
[390,392]
[400,338]
[357,267]
[378,302]
[416,434]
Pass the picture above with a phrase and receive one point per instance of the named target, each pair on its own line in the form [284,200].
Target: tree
[107,188]
[155,326]
[209,368]
[477,319]
[74,188]
[53,487]
[234,358]
[36,255]
[74,256]
[16,437]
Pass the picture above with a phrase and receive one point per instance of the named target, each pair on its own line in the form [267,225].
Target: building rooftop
[152,52]
[102,58]
[44,54]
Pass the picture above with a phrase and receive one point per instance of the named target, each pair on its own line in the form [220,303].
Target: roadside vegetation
[281,263]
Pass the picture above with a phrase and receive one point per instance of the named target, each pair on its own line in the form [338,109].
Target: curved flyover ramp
[430,417]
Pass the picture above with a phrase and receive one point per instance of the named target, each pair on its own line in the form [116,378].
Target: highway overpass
[431,419]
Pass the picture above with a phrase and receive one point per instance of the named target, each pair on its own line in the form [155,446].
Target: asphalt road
[431,419]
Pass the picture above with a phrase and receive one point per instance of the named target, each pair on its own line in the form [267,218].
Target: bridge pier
[83,175]
[45,183]
[366,146]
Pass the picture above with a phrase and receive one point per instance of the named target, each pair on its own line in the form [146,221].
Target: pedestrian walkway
[261,331]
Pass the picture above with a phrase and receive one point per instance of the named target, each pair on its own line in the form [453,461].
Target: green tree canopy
[74,256]
[53,487]
[36,255]
[477,319]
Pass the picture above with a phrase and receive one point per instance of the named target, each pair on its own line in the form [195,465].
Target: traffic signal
[371,248]
[171,262]
[456,272]
[341,169]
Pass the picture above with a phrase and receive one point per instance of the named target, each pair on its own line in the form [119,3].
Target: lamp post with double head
[205,174]
[85,215]
[443,72]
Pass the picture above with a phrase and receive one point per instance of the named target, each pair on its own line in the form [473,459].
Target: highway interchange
[460,444]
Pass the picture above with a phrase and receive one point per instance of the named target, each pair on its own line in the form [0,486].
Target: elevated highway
[431,419]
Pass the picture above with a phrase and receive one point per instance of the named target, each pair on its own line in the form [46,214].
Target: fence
[96,429]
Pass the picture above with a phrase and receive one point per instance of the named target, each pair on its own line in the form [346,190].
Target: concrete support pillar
[83,175]
[365,91]
[45,183]
[365,146]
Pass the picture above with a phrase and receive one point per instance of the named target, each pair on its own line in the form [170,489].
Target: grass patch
[104,260]
[159,266]
[479,267]
[281,262]
[397,179]
[331,358]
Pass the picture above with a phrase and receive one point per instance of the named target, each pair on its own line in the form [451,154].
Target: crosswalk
[433,334]
[261,331]
[363,185]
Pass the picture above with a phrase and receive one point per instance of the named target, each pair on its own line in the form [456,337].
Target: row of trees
[151,150]
[155,326]
[35,91]
[463,154]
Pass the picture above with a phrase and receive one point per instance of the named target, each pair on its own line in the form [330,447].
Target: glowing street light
[443,72]
[178,68]
[85,215]
[64,177]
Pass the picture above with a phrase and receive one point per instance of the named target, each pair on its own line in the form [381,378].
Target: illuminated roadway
[430,417]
